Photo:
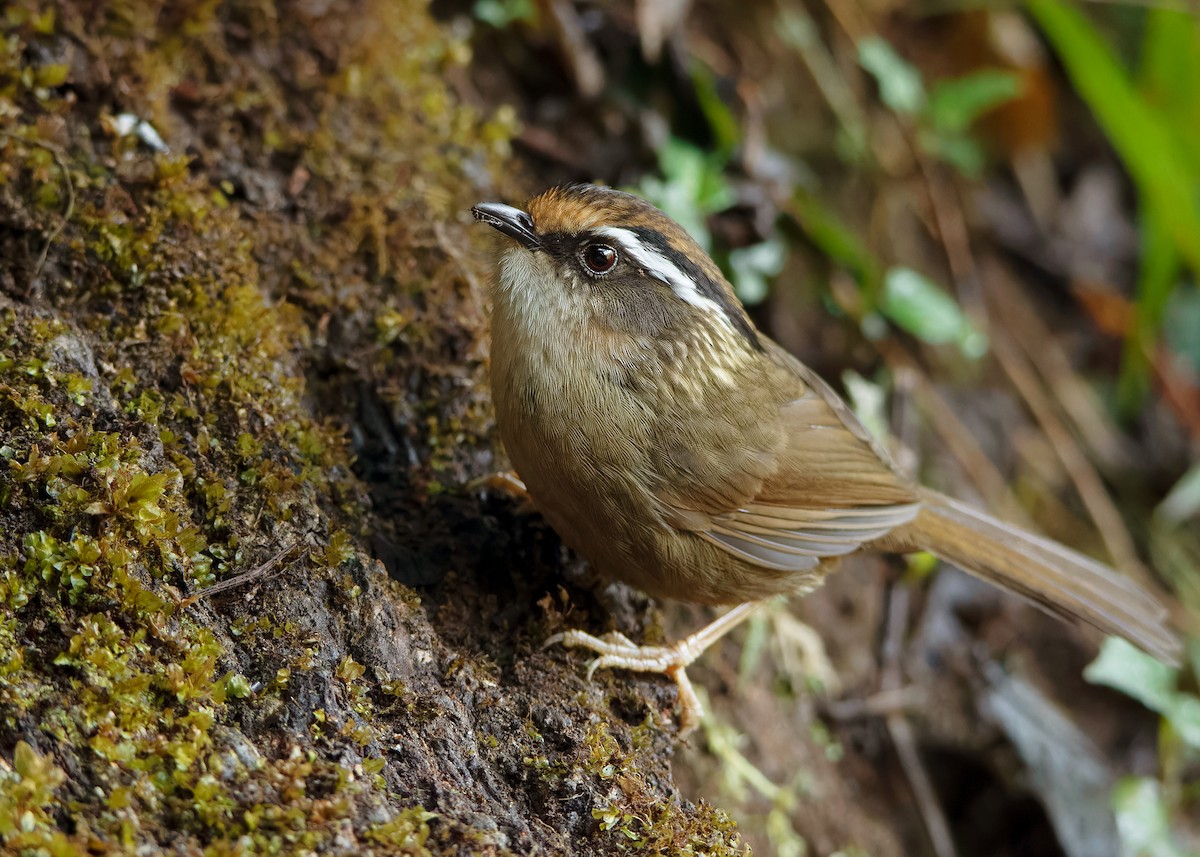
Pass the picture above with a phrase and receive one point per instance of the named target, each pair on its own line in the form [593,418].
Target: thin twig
[901,731]
[799,31]
[1178,391]
[955,239]
[881,704]
[1049,358]
[61,161]
[1082,474]
[243,579]
[581,58]
[852,18]
[952,228]
[547,145]
[959,440]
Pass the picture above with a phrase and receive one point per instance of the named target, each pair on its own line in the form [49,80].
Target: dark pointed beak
[511,221]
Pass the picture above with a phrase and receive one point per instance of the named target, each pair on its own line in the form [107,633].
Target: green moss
[663,829]
[620,771]
[405,833]
[27,794]
[640,821]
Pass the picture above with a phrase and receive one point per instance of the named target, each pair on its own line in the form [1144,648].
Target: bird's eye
[598,258]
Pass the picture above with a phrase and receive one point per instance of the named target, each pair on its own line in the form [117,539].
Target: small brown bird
[680,450]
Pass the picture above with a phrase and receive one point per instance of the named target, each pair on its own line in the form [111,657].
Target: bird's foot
[616,651]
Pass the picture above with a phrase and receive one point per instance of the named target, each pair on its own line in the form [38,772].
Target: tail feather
[1054,577]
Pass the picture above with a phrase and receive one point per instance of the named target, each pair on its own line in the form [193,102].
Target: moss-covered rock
[241,340]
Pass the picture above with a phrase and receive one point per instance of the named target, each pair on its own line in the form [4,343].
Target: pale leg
[616,650]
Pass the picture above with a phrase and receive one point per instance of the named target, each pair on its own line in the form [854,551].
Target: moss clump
[638,820]
[405,833]
[27,796]
[657,829]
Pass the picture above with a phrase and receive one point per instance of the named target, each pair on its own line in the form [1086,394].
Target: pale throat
[558,330]
[532,294]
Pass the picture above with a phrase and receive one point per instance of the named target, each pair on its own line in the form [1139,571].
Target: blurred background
[981,223]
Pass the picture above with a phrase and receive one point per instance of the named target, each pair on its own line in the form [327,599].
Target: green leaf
[1183,500]
[693,186]
[900,84]
[1142,818]
[1128,669]
[1137,131]
[700,174]
[1169,80]
[919,305]
[751,268]
[869,402]
[956,149]
[956,103]
[839,243]
[501,13]
[237,685]
[1169,77]
[1184,716]
[726,130]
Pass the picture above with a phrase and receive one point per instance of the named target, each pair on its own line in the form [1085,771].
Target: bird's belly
[615,526]
[580,444]
[593,514]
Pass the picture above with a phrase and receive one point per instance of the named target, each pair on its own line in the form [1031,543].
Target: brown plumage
[679,449]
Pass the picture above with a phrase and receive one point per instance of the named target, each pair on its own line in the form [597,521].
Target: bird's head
[593,256]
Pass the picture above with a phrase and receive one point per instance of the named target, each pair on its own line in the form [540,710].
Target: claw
[615,650]
[691,711]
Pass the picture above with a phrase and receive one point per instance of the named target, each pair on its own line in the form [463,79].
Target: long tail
[1054,577]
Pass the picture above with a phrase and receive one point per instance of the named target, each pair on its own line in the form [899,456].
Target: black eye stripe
[561,245]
